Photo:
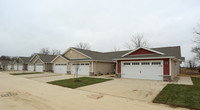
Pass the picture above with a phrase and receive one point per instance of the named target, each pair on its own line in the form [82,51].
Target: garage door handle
[140,72]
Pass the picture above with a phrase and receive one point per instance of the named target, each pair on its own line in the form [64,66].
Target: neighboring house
[10,65]
[83,62]
[144,63]
[4,64]
[23,63]
[41,63]
[141,63]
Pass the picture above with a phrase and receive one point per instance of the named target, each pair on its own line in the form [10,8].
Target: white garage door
[82,68]
[9,67]
[152,70]
[60,68]
[30,67]
[15,67]
[20,67]
[39,68]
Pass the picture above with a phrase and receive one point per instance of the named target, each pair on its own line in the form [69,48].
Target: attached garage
[142,69]
[60,68]
[39,68]
[20,67]
[31,67]
[81,68]
[152,64]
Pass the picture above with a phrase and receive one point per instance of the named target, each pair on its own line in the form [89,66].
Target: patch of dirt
[23,101]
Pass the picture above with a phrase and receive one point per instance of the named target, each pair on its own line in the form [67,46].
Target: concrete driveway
[18,93]
[143,90]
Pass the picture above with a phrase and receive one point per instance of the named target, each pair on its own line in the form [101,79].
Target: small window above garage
[127,63]
[136,63]
[155,63]
[145,63]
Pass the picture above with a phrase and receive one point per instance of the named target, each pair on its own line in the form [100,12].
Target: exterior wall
[74,55]
[25,67]
[141,52]
[102,67]
[48,67]
[175,68]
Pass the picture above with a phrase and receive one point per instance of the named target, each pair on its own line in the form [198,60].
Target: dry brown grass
[189,72]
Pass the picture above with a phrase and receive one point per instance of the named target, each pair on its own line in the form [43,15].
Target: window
[87,64]
[127,63]
[82,64]
[155,63]
[166,62]
[135,63]
[145,63]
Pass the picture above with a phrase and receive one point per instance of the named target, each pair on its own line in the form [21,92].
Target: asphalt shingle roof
[25,59]
[109,56]
[46,58]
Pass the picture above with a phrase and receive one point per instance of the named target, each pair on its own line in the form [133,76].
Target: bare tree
[55,52]
[196,49]
[45,51]
[137,40]
[115,49]
[82,45]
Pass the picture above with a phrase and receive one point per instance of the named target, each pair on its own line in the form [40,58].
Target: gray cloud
[28,25]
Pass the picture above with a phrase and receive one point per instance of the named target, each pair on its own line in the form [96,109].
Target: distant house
[41,63]
[23,63]
[4,64]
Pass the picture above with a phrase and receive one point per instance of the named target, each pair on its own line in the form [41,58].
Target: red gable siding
[142,52]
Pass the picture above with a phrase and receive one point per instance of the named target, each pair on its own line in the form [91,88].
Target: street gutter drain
[9,94]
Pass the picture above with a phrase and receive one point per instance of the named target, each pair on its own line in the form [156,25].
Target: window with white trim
[145,63]
[155,63]
[136,63]
[127,63]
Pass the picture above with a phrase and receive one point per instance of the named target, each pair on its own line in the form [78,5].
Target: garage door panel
[15,67]
[143,70]
[30,67]
[20,67]
[60,68]
[39,68]
[82,68]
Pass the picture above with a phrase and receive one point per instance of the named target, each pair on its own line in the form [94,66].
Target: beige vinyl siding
[174,68]
[74,55]
[101,67]
[38,61]
[34,59]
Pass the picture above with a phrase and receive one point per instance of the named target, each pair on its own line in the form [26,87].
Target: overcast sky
[26,26]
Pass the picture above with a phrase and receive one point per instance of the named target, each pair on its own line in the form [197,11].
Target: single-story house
[149,63]
[141,63]
[4,64]
[41,63]
[83,62]
[23,63]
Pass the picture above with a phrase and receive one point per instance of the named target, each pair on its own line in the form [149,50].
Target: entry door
[60,68]
[143,70]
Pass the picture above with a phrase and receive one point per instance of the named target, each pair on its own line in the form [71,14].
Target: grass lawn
[26,73]
[78,82]
[181,95]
